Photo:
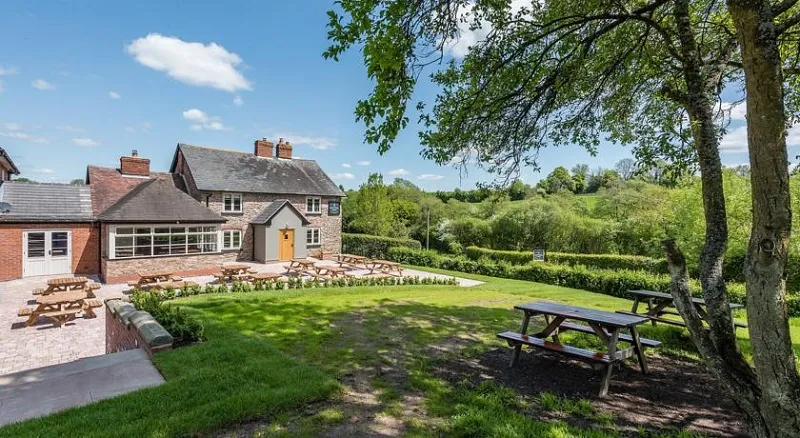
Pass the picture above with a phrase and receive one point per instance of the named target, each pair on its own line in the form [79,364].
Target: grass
[271,355]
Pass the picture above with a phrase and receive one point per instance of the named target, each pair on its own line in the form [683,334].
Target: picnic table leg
[650,310]
[518,348]
[551,328]
[637,347]
[612,353]
[635,306]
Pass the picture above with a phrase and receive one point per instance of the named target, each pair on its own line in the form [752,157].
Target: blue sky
[85,82]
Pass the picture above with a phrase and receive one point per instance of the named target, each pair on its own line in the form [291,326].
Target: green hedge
[599,261]
[605,281]
[733,270]
[376,247]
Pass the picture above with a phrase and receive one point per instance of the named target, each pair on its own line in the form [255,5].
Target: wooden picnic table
[351,260]
[385,267]
[608,326]
[265,277]
[61,307]
[299,266]
[234,272]
[329,271]
[660,304]
[62,284]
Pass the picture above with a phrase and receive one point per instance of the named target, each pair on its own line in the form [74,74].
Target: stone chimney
[134,165]
[263,148]
[284,149]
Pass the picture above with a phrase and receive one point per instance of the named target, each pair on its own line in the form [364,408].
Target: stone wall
[128,329]
[253,204]
[122,270]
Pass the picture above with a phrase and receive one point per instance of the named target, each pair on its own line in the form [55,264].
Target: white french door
[46,253]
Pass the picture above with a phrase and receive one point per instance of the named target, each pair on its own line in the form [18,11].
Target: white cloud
[346,165]
[398,172]
[193,63]
[43,170]
[430,177]
[735,111]
[363,163]
[114,95]
[468,34]
[24,136]
[41,84]
[735,140]
[12,126]
[343,176]
[8,71]
[70,128]
[238,101]
[86,142]
[320,143]
[200,120]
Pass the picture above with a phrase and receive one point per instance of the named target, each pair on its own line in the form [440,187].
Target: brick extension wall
[85,247]
[122,270]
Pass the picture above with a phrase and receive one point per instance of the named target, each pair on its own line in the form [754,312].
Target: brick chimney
[284,149]
[263,148]
[134,165]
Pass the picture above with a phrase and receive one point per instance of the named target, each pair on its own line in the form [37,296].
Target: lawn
[392,360]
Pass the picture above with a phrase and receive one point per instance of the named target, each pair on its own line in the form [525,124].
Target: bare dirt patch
[676,394]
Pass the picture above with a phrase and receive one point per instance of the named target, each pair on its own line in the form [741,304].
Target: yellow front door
[286,244]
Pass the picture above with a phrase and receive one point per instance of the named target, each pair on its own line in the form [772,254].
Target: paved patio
[24,348]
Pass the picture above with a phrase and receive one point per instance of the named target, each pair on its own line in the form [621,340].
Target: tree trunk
[765,266]
[717,345]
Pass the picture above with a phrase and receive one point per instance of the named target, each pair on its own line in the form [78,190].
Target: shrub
[605,281]
[374,246]
[733,270]
[183,327]
[599,261]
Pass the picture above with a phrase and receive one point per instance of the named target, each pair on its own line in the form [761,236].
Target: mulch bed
[676,394]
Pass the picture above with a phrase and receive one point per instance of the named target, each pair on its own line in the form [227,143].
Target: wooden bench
[94,303]
[61,317]
[514,339]
[38,291]
[24,311]
[565,326]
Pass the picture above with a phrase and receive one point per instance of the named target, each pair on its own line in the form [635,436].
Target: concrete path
[43,391]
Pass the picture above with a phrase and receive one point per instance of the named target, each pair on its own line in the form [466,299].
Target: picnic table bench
[299,266]
[62,284]
[328,272]
[660,304]
[60,307]
[385,267]
[234,272]
[148,280]
[351,260]
[608,326]
[265,277]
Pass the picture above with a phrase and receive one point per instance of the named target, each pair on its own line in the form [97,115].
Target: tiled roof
[109,185]
[232,171]
[158,200]
[46,202]
[272,209]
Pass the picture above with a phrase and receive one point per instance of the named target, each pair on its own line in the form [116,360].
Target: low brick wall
[128,329]
[122,270]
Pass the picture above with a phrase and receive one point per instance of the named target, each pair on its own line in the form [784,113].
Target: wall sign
[334,208]
[538,255]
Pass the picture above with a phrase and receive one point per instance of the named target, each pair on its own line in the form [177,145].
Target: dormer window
[313,205]
[232,202]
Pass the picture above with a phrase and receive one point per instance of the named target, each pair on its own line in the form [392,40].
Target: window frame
[209,236]
[310,234]
[231,248]
[311,199]
[232,197]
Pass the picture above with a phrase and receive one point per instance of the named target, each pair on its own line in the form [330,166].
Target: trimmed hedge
[599,261]
[376,247]
[733,270]
[605,281]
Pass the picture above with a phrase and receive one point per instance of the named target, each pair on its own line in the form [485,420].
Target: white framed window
[313,237]
[313,205]
[232,202]
[231,239]
[127,241]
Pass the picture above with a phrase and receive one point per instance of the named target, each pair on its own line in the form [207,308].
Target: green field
[293,361]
